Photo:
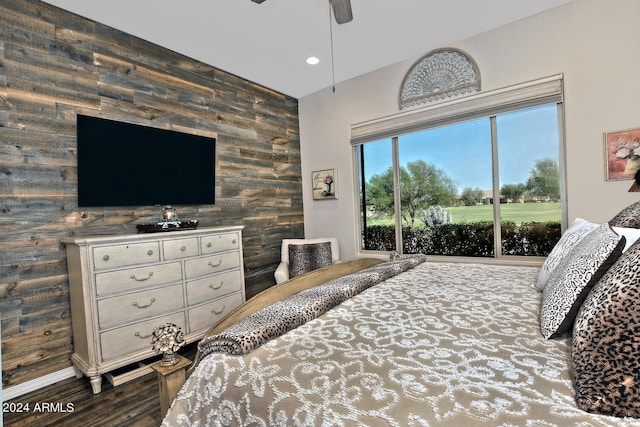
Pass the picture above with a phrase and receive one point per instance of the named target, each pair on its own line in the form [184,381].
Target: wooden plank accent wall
[54,65]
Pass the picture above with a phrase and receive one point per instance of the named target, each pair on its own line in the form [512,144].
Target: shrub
[468,239]
[380,238]
[435,215]
[530,238]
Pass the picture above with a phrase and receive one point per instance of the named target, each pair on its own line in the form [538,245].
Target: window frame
[488,104]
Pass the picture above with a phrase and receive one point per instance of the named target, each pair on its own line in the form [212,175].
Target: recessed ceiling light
[312,60]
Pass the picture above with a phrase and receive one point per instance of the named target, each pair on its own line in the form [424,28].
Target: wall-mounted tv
[125,164]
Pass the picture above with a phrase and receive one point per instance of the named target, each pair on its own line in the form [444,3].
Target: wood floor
[72,403]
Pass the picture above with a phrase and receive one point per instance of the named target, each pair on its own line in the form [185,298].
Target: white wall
[592,42]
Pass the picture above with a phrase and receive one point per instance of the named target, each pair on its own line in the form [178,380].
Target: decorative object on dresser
[169,222]
[162,226]
[123,286]
[169,214]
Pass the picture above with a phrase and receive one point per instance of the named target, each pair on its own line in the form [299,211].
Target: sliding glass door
[488,187]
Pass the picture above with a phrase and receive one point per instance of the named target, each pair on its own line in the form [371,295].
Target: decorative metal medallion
[439,74]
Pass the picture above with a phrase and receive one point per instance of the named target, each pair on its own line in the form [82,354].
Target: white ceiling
[268,43]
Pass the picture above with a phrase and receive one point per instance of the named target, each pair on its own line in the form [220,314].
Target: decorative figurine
[167,340]
[168,213]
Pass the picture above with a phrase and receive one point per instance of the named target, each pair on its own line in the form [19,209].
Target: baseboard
[18,390]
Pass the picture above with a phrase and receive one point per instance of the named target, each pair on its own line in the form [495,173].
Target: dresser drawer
[140,305]
[220,243]
[181,248]
[132,338]
[123,255]
[212,287]
[137,278]
[211,264]
[207,315]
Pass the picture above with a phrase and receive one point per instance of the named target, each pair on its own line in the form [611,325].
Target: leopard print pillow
[605,352]
[628,217]
[308,257]
[569,239]
[573,278]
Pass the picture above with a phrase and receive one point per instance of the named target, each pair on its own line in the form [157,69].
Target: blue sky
[463,151]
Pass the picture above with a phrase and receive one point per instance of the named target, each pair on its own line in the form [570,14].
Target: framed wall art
[324,184]
[622,151]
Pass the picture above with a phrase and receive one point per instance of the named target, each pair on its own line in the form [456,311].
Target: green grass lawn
[516,212]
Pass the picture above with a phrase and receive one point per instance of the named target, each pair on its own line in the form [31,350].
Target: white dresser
[122,287]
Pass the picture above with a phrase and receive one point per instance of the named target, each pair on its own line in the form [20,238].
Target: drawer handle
[105,258]
[183,248]
[215,265]
[233,241]
[214,286]
[209,244]
[214,311]
[139,335]
[133,276]
[150,252]
[135,304]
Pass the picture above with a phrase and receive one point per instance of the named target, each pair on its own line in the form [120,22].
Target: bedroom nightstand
[170,379]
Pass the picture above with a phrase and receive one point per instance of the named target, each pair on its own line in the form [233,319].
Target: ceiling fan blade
[341,10]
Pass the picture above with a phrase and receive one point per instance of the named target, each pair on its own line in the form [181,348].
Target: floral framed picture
[622,149]
[324,184]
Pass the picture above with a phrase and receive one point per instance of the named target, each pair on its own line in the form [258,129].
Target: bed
[429,343]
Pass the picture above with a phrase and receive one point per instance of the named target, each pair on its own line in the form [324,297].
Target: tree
[513,191]
[544,179]
[421,185]
[471,196]
[379,193]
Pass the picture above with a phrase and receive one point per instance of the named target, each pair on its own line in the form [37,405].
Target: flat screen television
[125,164]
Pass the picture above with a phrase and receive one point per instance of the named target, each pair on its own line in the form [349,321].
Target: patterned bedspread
[441,344]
